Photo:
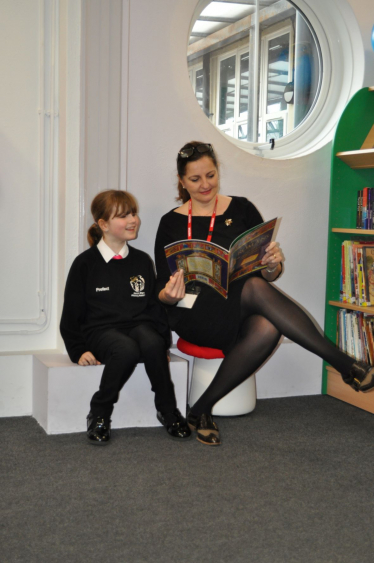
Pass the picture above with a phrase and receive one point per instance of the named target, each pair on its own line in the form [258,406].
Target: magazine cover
[216,266]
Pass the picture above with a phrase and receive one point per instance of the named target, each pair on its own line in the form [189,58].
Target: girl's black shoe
[175,424]
[205,428]
[361,377]
[98,430]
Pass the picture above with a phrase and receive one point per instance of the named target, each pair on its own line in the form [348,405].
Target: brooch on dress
[228,222]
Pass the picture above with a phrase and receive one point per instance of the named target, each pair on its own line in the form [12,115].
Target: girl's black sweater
[100,295]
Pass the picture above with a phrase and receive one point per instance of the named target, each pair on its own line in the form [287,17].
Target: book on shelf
[357,273]
[216,266]
[365,204]
[355,334]
[368,259]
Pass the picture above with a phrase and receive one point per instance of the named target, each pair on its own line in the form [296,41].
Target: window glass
[278,73]
[199,86]
[243,100]
[260,74]
[274,129]
[227,90]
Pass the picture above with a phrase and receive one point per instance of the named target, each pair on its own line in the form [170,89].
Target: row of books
[355,334]
[365,209]
[357,273]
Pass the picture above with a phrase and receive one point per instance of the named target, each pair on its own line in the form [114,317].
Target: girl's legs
[261,299]
[120,354]
[154,355]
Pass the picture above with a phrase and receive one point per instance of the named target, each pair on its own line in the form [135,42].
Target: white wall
[159,114]
[163,115]
[40,50]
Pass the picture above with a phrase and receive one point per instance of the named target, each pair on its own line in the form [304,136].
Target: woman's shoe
[361,377]
[206,429]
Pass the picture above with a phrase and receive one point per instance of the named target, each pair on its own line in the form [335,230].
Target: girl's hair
[104,206]
[183,194]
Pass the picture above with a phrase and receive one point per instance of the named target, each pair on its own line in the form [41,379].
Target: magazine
[216,266]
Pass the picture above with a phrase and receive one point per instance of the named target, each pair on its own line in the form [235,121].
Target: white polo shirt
[107,253]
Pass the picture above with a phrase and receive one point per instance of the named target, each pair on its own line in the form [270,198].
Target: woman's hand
[174,290]
[88,359]
[272,259]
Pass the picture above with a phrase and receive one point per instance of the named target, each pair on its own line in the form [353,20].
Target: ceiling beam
[217,19]
[198,34]
[277,12]
[246,2]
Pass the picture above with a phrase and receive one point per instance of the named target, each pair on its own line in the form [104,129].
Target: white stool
[241,400]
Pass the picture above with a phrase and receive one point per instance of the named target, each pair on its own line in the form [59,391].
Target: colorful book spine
[356,334]
[359,210]
[364,208]
[370,208]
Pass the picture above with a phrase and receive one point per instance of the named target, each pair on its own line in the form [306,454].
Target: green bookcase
[352,168]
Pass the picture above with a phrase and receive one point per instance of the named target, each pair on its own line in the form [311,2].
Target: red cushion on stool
[199,351]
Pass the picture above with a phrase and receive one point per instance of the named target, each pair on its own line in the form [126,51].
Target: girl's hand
[88,359]
[273,256]
[174,290]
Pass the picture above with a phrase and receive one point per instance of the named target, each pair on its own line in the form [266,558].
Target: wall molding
[48,144]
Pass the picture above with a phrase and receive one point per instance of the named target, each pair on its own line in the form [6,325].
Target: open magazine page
[248,249]
[201,261]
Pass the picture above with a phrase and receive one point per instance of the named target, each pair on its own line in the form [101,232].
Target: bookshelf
[352,169]
[363,158]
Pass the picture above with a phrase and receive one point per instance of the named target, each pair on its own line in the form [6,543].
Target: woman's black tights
[266,315]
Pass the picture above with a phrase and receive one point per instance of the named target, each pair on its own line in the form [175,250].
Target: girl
[111,316]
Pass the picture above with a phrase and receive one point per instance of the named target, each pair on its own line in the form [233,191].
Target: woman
[247,326]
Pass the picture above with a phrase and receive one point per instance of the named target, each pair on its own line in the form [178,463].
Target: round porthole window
[261,72]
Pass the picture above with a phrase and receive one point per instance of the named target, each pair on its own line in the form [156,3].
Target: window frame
[266,37]
[192,70]
[342,59]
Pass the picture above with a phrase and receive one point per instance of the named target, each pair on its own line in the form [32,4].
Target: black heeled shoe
[361,377]
[205,428]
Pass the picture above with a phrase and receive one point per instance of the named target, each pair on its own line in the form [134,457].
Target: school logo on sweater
[137,283]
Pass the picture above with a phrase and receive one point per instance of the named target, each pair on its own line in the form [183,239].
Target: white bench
[62,392]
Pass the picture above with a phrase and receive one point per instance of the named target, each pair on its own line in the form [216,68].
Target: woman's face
[201,180]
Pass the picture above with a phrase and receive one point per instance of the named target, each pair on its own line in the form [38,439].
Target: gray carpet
[292,482]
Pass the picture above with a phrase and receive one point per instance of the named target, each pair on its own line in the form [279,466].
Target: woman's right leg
[258,339]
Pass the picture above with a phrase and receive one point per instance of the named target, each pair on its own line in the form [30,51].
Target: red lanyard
[212,221]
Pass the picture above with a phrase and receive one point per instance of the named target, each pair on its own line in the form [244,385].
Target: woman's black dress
[213,321]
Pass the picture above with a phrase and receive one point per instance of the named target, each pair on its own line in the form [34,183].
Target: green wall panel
[352,129]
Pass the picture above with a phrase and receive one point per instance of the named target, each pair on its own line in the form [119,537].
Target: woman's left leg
[280,315]
[261,298]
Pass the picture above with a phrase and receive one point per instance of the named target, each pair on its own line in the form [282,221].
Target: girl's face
[121,228]
[201,180]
